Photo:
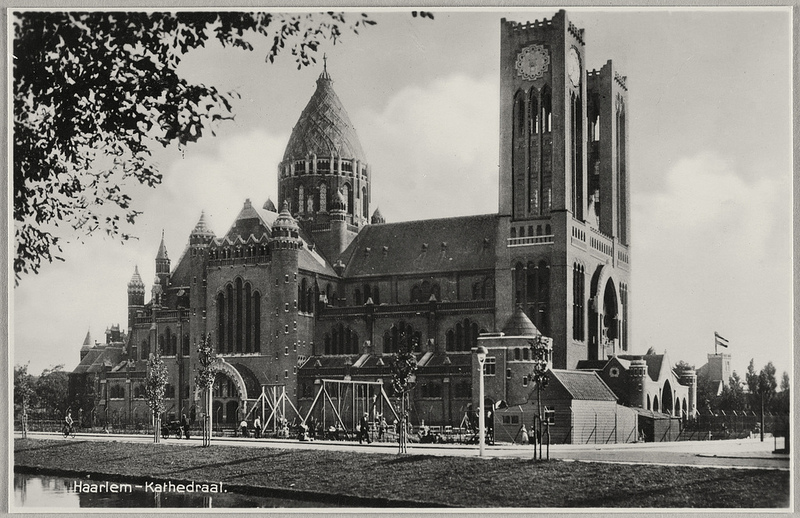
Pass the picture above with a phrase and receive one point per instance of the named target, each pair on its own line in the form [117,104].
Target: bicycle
[68,431]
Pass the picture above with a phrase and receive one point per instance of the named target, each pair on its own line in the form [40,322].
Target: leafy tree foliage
[51,390]
[681,366]
[93,91]
[24,389]
[403,364]
[733,397]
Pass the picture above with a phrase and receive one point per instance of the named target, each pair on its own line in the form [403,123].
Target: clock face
[532,62]
[574,67]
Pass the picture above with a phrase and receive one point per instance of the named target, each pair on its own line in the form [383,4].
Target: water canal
[40,492]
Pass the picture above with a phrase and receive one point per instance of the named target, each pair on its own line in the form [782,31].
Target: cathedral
[320,286]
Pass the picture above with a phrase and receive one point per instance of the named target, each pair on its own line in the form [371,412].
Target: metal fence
[733,426]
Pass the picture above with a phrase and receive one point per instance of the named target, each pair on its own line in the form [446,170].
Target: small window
[524,381]
[508,374]
[490,366]
[286,307]
[286,374]
[286,350]
[286,329]
[286,278]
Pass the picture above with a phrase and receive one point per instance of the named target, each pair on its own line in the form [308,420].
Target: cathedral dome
[324,128]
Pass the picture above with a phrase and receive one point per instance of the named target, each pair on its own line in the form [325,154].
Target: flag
[718,340]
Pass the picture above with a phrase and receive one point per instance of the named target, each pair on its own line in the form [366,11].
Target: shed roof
[585,385]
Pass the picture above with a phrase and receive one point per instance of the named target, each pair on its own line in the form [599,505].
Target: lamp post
[541,347]
[481,353]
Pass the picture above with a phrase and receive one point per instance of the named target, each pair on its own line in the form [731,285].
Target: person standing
[257,425]
[185,425]
[363,432]
[68,426]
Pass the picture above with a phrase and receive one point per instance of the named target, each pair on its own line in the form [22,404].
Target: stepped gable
[520,325]
[414,247]
[324,128]
[251,221]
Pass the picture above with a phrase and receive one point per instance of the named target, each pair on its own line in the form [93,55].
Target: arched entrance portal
[603,315]
[666,398]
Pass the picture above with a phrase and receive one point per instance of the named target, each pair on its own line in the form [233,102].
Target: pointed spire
[162,248]
[324,74]
[88,340]
[202,226]
[136,280]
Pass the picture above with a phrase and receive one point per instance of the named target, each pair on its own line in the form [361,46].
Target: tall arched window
[622,179]
[341,340]
[537,295]
[578,295]
[464,336]
[364,204]
[301,198]
[301,295]
[576,141]
[256,322]
[547,110]
[357,297]
[401,335]
[248,318]
[348,196]
[323,197]
[519,114]
[518,274]
[229,319]
[533,103]
[239,315]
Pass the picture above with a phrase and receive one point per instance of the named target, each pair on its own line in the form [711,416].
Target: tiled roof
[585,385]
[427,246]
[324,128]
[591,365]
[87,360]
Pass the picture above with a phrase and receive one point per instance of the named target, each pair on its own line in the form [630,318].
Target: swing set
[339,404]
[273,398]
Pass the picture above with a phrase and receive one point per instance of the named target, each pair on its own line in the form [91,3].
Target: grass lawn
[427,480]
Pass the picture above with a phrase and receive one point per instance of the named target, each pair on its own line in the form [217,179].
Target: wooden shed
[586,412]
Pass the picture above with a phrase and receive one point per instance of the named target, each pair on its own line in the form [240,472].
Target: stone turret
[638,378]
[377,217]
[162,264]
[688,378]
[135,296]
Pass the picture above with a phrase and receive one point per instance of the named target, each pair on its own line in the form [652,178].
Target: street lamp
[481,353]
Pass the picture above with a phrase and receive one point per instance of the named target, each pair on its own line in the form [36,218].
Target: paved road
[744,453]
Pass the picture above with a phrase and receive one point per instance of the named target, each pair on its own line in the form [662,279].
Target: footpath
[373,475]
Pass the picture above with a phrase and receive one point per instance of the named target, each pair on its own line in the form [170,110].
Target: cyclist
[68,425]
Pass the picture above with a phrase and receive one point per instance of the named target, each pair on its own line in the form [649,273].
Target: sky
[710,129]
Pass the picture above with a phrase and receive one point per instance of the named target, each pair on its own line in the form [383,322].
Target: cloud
[711,253]
[433,149]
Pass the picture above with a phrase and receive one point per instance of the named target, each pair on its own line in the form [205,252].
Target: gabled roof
[416,247]
[251,220]
[91,355]
[585,385]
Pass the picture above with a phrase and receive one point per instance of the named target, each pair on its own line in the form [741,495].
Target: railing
[263,259]
[601,243]
[413,307]
[530,240]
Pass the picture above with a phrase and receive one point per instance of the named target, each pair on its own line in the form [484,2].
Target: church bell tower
[564,258]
